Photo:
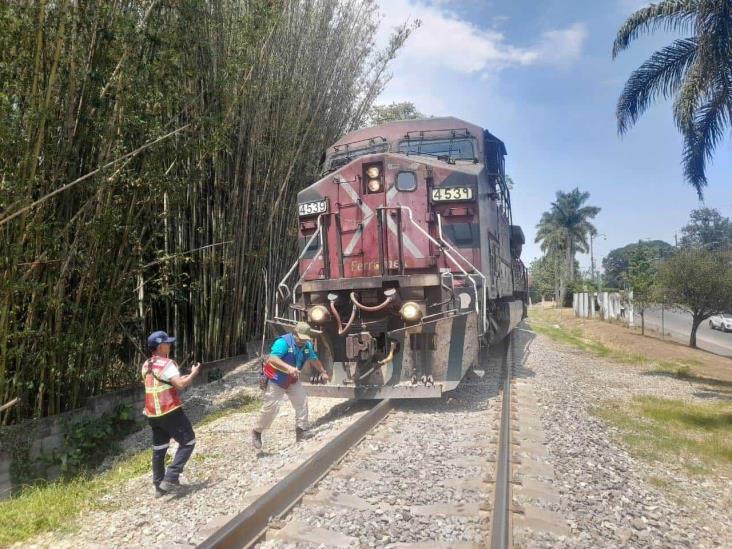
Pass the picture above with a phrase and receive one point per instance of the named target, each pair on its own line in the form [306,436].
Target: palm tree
[695,71]
[563,231]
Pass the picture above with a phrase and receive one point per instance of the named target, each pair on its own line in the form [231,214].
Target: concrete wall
[603,305]
[46,434]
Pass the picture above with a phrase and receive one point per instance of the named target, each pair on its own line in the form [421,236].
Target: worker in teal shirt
[289,354]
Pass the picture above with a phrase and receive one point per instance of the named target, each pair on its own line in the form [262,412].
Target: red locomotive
[408,259]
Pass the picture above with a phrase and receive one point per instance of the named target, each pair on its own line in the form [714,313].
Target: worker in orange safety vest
[164,411]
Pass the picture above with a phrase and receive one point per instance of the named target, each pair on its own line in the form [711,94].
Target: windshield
[450,149]
[342,155]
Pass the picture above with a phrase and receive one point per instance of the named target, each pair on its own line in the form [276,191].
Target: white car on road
[721,322]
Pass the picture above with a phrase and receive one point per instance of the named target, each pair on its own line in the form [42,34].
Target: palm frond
[588,212]
[699,79]
[708,129]
[669,15]
[566,225]
[661,75]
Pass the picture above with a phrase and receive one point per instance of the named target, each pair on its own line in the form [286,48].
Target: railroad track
[501,517]
[250,526]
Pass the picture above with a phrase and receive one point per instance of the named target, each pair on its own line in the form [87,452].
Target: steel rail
[249,526]
[500,521]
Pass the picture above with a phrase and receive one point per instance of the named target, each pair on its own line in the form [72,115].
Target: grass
[697,436]
[576,338]
[662,483]
[544,321]
[680,368]
[56,505]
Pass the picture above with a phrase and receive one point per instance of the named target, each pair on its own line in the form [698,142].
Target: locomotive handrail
[485,279]
[300,280]
[461,256]
[282,284]
[447,254]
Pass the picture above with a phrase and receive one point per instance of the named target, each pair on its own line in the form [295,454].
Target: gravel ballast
[224,471]
[605,493]
[419,455]
[408,474]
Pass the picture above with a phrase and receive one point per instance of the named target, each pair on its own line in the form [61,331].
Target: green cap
[303,330]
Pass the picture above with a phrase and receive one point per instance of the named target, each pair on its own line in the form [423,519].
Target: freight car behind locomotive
[409,260]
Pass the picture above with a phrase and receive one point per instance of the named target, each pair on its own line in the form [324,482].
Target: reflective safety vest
[281,378]
[160,396]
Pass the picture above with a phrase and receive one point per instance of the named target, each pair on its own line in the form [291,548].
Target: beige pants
[272,398]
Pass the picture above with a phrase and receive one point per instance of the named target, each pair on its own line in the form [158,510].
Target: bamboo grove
[206,117]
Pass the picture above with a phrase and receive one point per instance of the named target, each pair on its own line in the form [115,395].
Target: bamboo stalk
[260,89]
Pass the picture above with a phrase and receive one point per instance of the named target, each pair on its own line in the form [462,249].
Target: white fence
[603,306]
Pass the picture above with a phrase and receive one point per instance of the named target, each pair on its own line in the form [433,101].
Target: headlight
[373,172]
[411,312]
[374,184]
[318,314]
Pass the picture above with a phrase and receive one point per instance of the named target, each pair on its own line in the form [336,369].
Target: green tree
[381,114]
[707,229]
[695,71]
[615,264]
[641,279]
[697,281]
[543,277]
[564,230]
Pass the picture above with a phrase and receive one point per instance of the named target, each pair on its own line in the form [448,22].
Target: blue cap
[156,338]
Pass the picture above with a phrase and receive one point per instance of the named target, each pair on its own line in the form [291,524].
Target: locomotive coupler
[360,347]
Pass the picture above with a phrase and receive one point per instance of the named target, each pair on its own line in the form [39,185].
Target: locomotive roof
[394,131]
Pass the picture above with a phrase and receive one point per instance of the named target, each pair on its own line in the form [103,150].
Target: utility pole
[663,323]
[592,261]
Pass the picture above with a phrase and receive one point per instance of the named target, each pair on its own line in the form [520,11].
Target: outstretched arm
[181,382]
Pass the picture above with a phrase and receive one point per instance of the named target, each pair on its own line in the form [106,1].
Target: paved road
[678,325]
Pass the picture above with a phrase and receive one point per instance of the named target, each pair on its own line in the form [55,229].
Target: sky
[540,76]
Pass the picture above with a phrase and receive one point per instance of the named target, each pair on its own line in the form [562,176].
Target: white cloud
[445,41]
[450,66]
[562,47]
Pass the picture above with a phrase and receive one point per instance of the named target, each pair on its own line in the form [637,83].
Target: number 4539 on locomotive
[408,261]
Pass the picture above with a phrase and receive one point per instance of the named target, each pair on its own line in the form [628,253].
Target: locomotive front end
[389,268]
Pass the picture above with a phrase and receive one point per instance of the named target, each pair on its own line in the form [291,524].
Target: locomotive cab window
[312,249]
[445,149]
[462,235]
[406,181]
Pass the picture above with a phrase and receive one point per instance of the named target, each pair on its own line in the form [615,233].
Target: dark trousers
[173,425]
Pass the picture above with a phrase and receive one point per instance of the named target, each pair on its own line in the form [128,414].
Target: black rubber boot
[171,487]
[301,434]
[256,439]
